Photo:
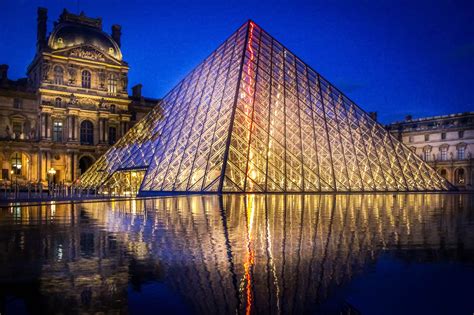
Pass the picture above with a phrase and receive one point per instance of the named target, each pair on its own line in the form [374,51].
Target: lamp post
[12,172]
[51,173]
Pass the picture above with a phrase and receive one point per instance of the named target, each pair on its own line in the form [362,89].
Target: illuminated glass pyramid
[252,117]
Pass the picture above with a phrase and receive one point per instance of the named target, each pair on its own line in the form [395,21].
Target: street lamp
[51,173]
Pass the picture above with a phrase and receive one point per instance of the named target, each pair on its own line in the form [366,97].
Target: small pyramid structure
[253,117]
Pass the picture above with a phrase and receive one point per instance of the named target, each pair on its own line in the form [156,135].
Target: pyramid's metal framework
[252,117]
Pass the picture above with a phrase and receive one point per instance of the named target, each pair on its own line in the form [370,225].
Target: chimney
[117,33]
[41,28]
[3,73]
[137,91]
[408,117]
[373,115]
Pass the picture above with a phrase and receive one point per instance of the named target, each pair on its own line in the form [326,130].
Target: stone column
[73,166]
[43,122]
[40,166]
[48,126]
[101,130]
[70,128]
[76,129]
[106,131]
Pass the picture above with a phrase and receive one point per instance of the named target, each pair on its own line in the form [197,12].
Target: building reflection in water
[231,254]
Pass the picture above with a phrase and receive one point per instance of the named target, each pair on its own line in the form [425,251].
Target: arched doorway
[460,176]
[443,173]
[84,163]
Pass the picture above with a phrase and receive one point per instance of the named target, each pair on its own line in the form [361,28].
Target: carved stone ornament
[124,81]
[73,99]
[72,73]
[87,53]
[45,69]
[87,101]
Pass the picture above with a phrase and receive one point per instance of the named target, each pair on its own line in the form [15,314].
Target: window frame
[58,75]
[58,132]
[86,79]
[87,132]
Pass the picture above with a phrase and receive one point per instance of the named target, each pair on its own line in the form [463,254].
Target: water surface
[373,254]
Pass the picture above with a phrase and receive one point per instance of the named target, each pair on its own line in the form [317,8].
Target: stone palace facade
[72,106]
[445,142]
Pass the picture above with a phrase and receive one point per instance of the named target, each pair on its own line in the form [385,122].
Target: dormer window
[58,75]
[60,42]
[111,51]
[86,79]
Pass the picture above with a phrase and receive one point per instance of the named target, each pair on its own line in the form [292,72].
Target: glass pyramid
[252,117]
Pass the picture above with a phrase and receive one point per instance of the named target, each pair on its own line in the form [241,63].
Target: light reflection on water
[235,254]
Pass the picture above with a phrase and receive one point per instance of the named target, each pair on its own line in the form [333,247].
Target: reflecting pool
[252,254]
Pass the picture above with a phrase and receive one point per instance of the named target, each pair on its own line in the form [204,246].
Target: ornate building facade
[71,107]
[445,142]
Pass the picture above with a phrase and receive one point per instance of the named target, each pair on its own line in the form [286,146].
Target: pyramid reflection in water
[253,117]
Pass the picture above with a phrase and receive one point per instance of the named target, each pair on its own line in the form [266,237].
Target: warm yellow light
[253,174]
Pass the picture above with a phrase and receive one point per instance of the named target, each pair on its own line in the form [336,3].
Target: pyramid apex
[253,117]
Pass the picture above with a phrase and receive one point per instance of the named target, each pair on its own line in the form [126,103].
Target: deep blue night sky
[394,57]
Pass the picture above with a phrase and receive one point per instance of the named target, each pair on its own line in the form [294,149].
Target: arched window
[16,163]
[86,79]
[84,163]
[58,102]
[112,135]
[443,153]
[112,84]
[460,177]
[426,155]
[443,173]
[113,108]
[87,132]
[58,75]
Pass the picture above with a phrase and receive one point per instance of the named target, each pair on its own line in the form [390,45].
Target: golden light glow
[253,117]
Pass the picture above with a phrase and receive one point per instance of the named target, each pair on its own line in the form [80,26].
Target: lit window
[427,137]
[86,79]
[16,163]
[461,134]
[112,135]
[112,84]
[58,131]
[461,151]
[58,75]
[17,128]
[443,136]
